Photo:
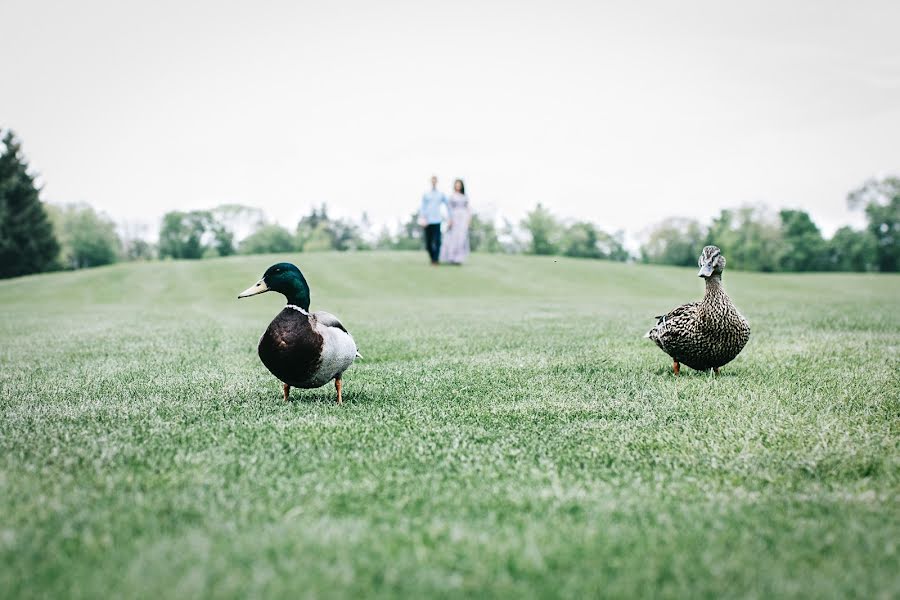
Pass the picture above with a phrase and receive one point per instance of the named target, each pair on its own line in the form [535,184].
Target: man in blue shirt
[430,218]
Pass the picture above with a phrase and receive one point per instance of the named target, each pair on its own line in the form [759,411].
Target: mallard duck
[707,334]
[302,349]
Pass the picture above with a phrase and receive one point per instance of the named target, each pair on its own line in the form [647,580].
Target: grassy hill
[509,433]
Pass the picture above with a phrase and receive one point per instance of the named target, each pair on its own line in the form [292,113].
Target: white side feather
[338,346]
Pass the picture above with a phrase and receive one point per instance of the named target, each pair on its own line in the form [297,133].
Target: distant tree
[316,217]
[511,238]
[483,235]
[317,231]
[229,222]
[410,236]
[804,247]
[544,229]
[385,240]
[881,200]
[674,242]
[27,242]
[612,246]
[367,232]
[852,250]
[581,241]
[206,233]
[88,239]
[237,219]
[134,244]
[313,233]
[317,239]
[749,237]
[346,235]
[754,240]
[407,236]
[268,239]
[182,234]
[222,243]
[138,249]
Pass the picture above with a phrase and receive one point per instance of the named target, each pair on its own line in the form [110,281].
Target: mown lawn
[509,434]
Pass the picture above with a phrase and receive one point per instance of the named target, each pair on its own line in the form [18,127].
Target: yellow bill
[259,287]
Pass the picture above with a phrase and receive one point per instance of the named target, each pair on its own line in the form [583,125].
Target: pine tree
[27,242]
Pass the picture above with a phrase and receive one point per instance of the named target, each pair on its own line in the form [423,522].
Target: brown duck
[707,334]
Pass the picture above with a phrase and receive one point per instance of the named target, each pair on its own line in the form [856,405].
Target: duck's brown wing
[684,311]
[673,326]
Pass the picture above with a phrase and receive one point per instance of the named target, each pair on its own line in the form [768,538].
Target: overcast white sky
[621,113]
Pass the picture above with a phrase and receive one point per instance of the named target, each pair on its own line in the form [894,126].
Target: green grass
[509,433]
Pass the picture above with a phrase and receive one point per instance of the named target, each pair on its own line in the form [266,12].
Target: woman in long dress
[455,246]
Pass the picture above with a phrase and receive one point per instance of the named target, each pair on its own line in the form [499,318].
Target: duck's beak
[705,271]
[259,287]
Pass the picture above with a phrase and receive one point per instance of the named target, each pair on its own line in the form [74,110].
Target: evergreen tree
[27,243]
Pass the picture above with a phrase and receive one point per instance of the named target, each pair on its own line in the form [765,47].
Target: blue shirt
[431,206]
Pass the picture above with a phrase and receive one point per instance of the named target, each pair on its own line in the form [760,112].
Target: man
[430,218]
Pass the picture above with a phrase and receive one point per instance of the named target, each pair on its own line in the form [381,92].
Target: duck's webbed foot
[716,371]
[676,367]
[287,392]
[338,385]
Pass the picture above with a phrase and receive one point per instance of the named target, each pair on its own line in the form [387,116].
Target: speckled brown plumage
[707,334]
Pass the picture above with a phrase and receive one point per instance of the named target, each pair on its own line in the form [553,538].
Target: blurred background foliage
[36,236]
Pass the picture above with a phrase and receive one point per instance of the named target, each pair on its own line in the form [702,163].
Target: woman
[455,246]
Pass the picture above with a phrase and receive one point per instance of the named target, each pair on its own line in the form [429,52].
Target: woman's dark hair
[462,186]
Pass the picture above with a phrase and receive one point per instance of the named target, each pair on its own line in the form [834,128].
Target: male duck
[707,334]
[302,349]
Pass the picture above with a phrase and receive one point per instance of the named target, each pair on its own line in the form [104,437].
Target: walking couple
[454,247]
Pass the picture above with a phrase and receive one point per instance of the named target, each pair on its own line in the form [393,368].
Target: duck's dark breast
[290,348]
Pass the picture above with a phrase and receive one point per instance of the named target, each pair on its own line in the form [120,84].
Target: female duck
[707,334]
[302,349]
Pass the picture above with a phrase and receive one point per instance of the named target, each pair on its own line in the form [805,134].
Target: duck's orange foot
[676,367]
[338,385]
[287,392]
[716,371]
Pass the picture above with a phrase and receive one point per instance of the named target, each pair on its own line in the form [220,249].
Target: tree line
[37,237]
[754,239]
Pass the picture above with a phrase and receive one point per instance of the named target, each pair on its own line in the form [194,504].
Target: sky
[619,113]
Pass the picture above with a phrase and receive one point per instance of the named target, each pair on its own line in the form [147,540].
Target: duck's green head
[283,278]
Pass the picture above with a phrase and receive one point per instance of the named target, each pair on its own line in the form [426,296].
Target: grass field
[509,433]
